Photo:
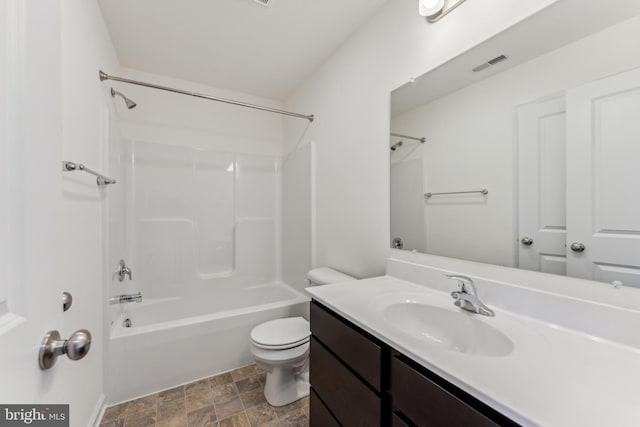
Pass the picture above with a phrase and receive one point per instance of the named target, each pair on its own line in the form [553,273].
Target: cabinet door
[319,414]
[360,353]
[349,399]
[428,400]
[541,186]
[603,172]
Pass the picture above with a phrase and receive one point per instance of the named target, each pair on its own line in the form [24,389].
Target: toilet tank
[326,276]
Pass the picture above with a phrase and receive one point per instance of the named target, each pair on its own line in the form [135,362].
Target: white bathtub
[179,340]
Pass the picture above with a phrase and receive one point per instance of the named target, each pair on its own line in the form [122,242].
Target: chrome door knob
[577,247]
[397,243]
[527,241]
[67,300]
[76,347]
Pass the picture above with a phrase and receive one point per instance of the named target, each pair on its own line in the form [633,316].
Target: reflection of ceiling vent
[487,64]
[262,2]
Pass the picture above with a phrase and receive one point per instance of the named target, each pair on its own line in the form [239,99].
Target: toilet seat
[281,334]
[288,356]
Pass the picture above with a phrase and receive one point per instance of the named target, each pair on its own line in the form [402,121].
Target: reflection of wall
[349,94]
[470,141]
[407,204]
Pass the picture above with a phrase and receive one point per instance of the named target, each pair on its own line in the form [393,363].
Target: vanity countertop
[554,376]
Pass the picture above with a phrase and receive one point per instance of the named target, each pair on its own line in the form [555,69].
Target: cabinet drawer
[319,415]
[356,350]
[397,422]
[427,403]
[348,398]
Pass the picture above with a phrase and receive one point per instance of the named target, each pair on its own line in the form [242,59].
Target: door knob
[527,241]
[76,347]
[577,247]
[67,300]
[397,243]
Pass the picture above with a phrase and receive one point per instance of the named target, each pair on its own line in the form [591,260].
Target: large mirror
[525,150]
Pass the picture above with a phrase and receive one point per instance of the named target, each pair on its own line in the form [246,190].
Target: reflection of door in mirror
[541,186]
[603,172]
[583,157]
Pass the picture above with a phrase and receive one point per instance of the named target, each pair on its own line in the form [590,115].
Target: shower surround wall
[198,218]
[202,216]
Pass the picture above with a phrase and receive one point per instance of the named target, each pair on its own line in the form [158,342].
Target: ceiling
[233,44]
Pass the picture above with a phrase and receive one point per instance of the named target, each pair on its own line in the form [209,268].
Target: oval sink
[457,331]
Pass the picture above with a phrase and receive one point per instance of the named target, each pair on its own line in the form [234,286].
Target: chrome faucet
[467,297]
[121,271]
[121,299]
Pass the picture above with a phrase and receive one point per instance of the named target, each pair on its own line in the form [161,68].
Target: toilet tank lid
[326,275]
[281,332]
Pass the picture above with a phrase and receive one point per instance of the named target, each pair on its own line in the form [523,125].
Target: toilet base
[285,385]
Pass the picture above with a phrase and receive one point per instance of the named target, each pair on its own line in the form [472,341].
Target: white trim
[98,412]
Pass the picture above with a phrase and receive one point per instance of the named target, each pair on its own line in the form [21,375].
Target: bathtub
[173,341]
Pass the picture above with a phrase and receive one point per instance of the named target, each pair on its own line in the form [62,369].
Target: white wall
[349,94]
[480,154]
[86,47]
[297,206]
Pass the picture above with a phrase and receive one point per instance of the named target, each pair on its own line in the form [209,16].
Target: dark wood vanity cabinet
[345,372]
[357,380]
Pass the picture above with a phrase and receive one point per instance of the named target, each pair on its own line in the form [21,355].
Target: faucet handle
[463,281]
[458,277]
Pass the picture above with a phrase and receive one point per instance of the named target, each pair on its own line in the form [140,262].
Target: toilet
[281,348]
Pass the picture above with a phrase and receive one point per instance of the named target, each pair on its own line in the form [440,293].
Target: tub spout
[121,299]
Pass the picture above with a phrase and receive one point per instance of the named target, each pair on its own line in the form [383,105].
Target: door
[603,176]
[30,197]
[541,186]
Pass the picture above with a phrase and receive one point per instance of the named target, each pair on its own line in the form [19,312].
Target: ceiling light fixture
[434,10]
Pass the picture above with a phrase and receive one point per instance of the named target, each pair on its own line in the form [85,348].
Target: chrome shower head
[395,146]
[130,103]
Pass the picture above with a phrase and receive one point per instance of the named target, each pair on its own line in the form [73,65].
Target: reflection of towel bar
[100,180]
[484,192]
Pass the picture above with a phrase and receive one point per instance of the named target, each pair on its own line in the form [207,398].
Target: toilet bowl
[281,348]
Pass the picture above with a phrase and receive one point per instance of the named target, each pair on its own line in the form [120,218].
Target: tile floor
[233,399]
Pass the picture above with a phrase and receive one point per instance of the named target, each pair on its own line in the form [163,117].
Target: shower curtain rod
[104,76]
[399,135]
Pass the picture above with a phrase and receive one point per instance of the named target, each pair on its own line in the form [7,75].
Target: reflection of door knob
[397,243]
[76,347]
[527,241]
[577,247]
[67,300]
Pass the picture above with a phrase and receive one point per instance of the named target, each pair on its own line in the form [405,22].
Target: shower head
[395,146]
[130,103]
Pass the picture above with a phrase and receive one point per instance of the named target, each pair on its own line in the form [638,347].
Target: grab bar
[484,191]
[101,180]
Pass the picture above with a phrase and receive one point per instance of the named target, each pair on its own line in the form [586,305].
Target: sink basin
[457,331]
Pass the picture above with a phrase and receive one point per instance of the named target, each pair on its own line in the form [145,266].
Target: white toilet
[281,348]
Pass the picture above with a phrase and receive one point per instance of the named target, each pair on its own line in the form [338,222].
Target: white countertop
[554,376]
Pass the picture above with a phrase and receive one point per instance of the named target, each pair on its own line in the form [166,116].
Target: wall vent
[489,63]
